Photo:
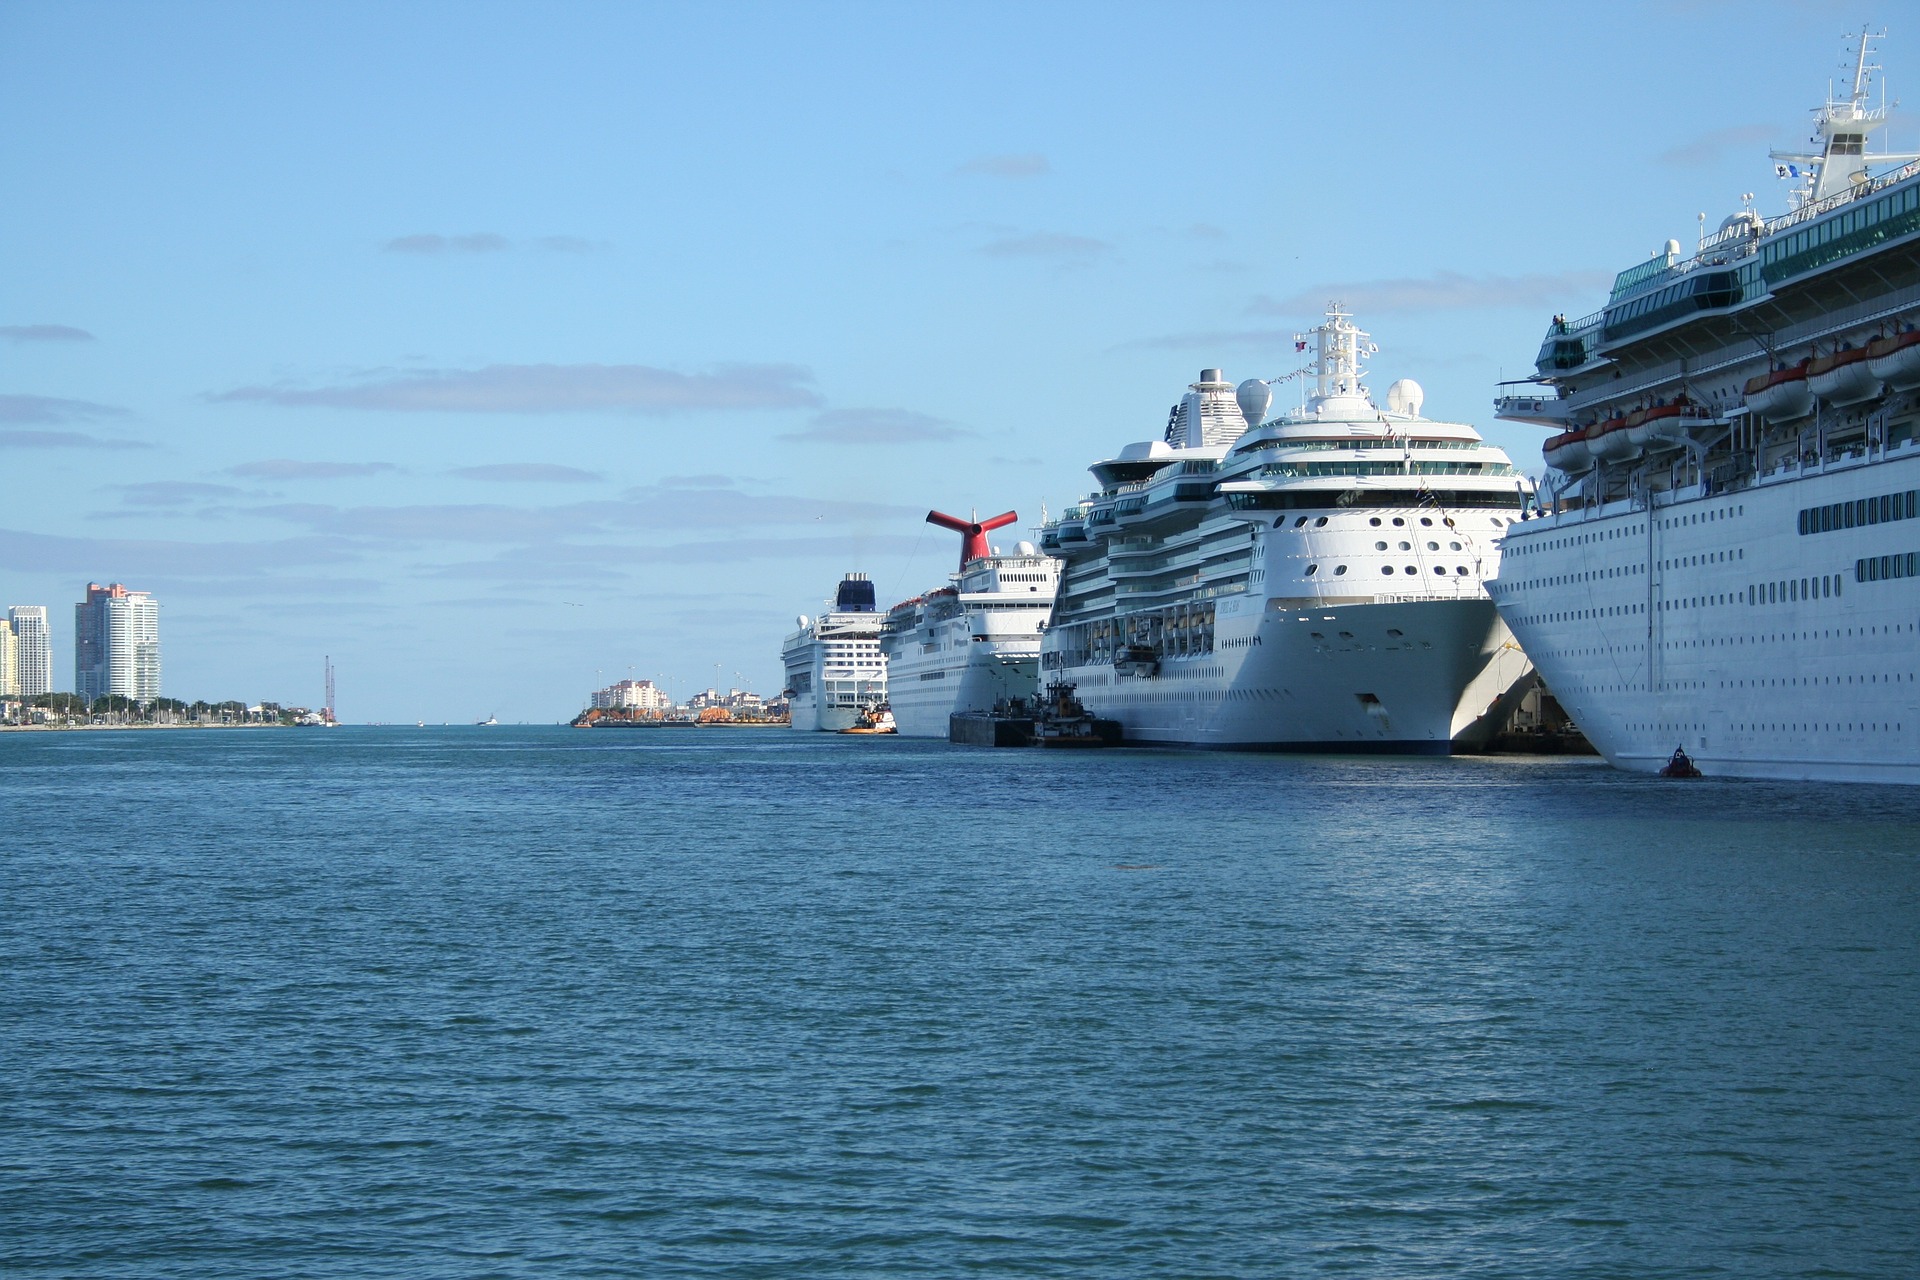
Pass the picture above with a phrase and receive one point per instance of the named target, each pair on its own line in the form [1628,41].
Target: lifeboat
[1843,378]
[1568,452]
[1609,441]
[1781,395]
[1895,360]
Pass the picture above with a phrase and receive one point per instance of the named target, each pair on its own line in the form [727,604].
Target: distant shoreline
[74,728]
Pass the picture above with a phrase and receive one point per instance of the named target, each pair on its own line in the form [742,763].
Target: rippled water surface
[542,1002]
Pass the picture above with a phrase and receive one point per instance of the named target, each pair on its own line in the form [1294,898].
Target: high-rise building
[9,661]
[35,648]
[116,643]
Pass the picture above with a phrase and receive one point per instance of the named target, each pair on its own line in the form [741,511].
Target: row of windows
[1460,570]
[1297,499]
[1849,515]
[1792,590]
[1875,568]
[1885,217]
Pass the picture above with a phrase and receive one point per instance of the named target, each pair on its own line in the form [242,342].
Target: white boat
[975,641]
[1307,582]
[833,662]
[1752,599]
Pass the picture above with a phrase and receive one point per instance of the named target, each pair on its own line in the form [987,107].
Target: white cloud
[554,388]
[43,333]
[876,426]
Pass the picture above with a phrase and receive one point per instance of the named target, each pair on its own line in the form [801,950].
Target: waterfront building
[116,643]
[632,695]
[34,652]
[1725,561]
[9,661]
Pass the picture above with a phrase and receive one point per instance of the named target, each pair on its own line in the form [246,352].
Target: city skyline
[484,363]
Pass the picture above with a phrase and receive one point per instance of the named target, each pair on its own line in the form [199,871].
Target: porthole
[1406,546]
[1339,569]
[1433,546]
[1397,522]
[1311,570]
[1395,632]
[1375,522]
[1440,568]
[1453,546]
[1297,523]
[1386,568]
[1427,522]
[1460,569]
[1320,523]
[1379,546]
[1410,570]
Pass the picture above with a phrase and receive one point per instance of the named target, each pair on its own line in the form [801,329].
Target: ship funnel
[855,594]
[972,532]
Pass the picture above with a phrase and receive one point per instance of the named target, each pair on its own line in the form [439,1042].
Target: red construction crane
[973,531]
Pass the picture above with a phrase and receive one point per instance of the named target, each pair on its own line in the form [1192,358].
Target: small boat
[1140,660]
[1611,440]
[1843,378]
[874,719]
[1062,720]
[1781,395]
[490,720]
[1568,452]
[1895,359]
[1679,765]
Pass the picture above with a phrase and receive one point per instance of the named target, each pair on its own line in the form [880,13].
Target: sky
[499,351]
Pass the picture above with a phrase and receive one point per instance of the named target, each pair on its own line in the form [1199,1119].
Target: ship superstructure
[973,642]
[1728,556]
[834,666]
[1313,581]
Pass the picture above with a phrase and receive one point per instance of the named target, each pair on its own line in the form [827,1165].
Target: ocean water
[543,1002]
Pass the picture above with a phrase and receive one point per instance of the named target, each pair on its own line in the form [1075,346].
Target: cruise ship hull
[1718,627]
[924,690]
[1428,677]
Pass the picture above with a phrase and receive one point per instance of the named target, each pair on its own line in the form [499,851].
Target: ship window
[1397,522]
[1375,522]
[1406,546]
[1321,522]
[1311,570]
[1453,546]
[1440,568]
[1379,546]
[1386,568]
[1409,570]
[1339,569]
[1425,521]
[1297,523]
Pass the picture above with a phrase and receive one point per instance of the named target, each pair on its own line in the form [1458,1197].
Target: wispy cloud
[1708,147]
[64,440]
[527,473]
[1047,244]
[1441,291]
[50,409]
[293,469]
[427,242]
[132,558]
[876,426]
[555,388]
[172,493]
[1214,340]
[573,244]
[1026,165]
[43,333]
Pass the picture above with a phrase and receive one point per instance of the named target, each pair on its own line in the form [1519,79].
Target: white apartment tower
[116,643]
[9,661]
[33,649]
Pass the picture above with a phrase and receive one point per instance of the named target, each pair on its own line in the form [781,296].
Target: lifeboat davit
[1781,395]
[1609,441]
[1843,378]
[1895,360]
[1568,452]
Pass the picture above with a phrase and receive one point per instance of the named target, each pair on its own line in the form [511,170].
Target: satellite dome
[1024,548]
[1254,397]
[801,622]
[1673,248]
[1406,396]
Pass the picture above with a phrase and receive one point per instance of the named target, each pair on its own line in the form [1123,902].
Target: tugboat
[1679,765]
[874,718]
[1062,720]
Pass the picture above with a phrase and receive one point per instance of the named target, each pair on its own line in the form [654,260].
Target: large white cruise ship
[1309,582]
[1729,559]
[967,645]
[834,665]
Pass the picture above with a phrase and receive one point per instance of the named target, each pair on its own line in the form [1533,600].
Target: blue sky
[499,349]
